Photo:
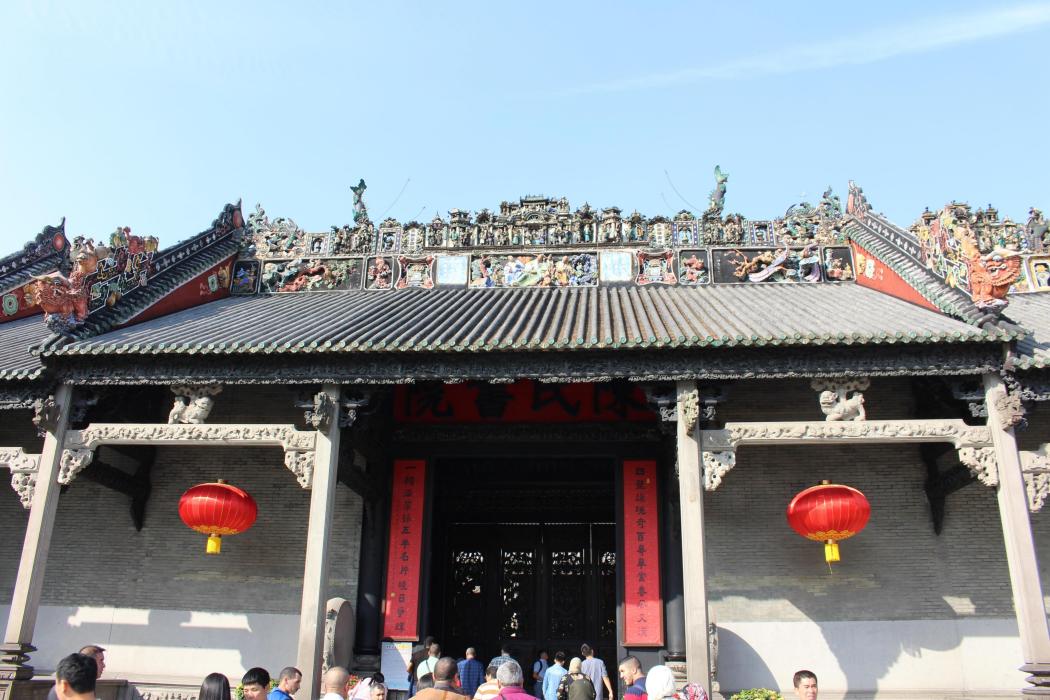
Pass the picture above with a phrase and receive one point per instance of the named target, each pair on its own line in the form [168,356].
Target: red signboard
[524,401]
[643,619]
[401,604]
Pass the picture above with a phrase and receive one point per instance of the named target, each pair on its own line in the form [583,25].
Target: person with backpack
[576,685]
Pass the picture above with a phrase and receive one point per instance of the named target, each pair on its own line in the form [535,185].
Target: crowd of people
[432,676]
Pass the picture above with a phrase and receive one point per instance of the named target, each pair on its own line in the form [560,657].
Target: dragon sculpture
[360,210]
[717,199]
[64,300]
[991,276]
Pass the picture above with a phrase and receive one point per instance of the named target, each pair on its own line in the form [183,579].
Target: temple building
[738,447]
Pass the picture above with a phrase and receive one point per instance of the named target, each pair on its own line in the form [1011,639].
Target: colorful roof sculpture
[533,276]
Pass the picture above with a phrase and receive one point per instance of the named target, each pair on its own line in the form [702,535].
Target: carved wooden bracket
[974,442]
[298,445]
[1035,465]
[24,468]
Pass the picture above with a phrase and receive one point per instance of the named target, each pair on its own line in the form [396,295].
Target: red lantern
[829,513]
[215,510]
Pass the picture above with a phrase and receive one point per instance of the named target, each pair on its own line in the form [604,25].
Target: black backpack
[581,689]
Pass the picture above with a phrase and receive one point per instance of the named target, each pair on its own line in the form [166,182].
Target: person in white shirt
[336,683]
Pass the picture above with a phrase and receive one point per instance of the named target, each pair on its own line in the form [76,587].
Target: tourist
[595,670]
[490,688]
[427,681]
[511,682]
[363,690]
[553,677]
[94,651]
[575,684]
[287,684]
[633,678]
[660,683]
[99,655]
[471,672]
[805,685]
[255,683]
[336,683]
[506,653]
[538,669]
[216,686]
[419,653]
[75,677]
[427,665]
[378,690]
[445,688]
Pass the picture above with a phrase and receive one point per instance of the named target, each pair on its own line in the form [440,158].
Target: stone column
[25,601]
[694,572]
[370,583]
[1017,535]
[674,605]
[315,576]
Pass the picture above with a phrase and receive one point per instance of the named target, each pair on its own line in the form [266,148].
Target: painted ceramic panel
[693,268]
[535,270]
[245,279]
[452,270]
[415,272]
[380,273]
[126,268]
[656,268]
[616,266]
[328,274]
[788,265]
[1039,273]
[838,264]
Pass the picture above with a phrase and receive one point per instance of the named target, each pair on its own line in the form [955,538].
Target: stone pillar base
[1040,679]
[366,663]
[13,658]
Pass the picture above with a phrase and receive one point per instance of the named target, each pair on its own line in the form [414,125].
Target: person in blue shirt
[471,672]
[538,669]
[287,684]
[552,678]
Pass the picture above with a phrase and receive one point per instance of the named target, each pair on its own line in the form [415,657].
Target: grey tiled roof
[537,319]
[1033,312]
[16,338]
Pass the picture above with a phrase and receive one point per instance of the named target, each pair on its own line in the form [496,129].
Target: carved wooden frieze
[973,441]
[298,445]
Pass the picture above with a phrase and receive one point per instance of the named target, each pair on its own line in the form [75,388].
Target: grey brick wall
[896,569]
[98,558]
[760,569]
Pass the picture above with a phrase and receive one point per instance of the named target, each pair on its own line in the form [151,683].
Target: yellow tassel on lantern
[214,544]
[831,551]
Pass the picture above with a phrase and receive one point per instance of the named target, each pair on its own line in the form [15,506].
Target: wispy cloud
[919,36]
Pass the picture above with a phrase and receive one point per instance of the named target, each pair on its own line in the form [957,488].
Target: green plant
[758,694]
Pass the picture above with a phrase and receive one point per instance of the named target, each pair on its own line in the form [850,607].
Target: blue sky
[153,115]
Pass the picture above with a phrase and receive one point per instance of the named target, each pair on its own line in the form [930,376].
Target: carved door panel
[537,586]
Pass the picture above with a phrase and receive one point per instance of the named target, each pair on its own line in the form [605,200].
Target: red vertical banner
[401,603]
[643,619]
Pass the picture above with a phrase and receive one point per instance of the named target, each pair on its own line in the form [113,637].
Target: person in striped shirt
[490,688]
